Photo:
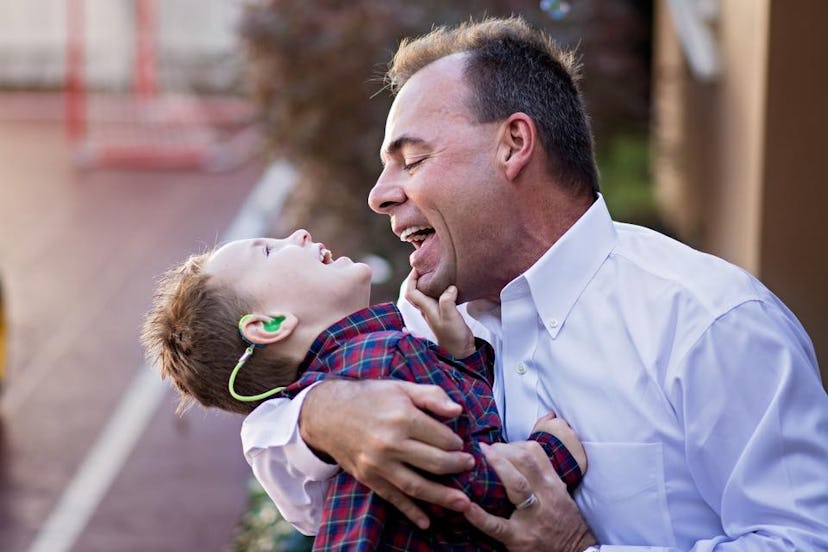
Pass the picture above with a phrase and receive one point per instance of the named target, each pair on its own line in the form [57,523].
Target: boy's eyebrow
[397,144]
[255,244]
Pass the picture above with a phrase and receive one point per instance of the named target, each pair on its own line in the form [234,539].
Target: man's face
[438,184]
[293,274]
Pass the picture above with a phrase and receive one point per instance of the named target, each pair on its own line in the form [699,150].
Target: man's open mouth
[416,235]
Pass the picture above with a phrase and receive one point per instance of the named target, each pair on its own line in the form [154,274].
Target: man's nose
[385,195]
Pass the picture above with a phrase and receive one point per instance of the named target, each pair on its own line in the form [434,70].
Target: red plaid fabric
[371,344]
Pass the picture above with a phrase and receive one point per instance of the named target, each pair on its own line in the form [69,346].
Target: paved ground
[78,254]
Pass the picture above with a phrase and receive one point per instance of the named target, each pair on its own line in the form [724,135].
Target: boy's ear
[518,137]
[264,329]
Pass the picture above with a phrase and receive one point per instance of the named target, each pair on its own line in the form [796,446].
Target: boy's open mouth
[325,255]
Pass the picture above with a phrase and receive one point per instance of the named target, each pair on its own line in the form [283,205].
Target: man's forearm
[314,412]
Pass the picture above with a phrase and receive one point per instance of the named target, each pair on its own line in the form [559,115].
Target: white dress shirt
[694,389]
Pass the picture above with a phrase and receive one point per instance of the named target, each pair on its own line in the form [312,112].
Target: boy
[265,317]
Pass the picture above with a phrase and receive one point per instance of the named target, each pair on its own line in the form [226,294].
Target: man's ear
[518,137]
[264,329]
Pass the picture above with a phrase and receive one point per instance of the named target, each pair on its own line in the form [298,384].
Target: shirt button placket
[521,368]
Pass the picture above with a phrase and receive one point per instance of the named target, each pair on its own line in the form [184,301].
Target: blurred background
[135,132]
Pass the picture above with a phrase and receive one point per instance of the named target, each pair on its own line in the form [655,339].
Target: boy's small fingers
[411,297]
[550,416]
[448,306]
[449,295]
[411,283]
[415,296]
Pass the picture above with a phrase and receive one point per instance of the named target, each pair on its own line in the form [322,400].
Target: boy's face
[293,274]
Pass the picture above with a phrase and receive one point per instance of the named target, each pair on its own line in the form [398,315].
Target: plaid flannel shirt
[372,344]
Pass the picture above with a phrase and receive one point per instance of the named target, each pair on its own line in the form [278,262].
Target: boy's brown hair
[191,333]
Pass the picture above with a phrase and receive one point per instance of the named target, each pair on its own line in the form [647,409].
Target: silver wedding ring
[528,503]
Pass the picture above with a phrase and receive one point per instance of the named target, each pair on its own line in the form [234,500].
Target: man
[694,389]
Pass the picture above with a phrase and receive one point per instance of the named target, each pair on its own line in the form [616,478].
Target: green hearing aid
[271,325]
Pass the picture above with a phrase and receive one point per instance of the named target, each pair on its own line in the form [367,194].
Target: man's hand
[377,430]
[442,316]
[552,524]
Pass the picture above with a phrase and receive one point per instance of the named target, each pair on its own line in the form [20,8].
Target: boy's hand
[566,435]
[442,316]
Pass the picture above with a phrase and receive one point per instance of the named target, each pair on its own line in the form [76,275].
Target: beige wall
[737,162]
[794,232]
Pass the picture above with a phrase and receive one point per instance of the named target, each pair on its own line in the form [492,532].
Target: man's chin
[432,284]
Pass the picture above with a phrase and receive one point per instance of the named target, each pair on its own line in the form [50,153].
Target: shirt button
[521,368]
[553,322]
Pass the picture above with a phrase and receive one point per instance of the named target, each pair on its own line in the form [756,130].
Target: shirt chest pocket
[623,495]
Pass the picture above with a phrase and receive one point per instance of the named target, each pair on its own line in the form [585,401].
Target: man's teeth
[325,256]
[407,234]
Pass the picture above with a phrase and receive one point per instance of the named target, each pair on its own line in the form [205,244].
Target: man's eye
[413,164]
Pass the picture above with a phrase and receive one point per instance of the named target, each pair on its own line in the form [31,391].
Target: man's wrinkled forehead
[438,90]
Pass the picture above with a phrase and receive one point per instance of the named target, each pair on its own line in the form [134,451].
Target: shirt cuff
[483,352]
[622,548]
[275,424]
[562,460]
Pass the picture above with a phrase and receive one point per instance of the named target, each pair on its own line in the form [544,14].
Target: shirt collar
[558,278]
[376,318]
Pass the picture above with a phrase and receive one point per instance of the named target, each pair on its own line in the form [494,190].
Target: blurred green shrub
[624,163]
[262,529]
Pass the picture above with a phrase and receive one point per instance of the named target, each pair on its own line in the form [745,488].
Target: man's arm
[364,418]
[756,428]
[379,431]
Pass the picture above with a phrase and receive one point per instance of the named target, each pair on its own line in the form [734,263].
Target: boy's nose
[301,237]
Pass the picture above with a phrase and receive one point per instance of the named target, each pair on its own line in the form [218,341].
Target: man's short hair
[512,67]
[191,333]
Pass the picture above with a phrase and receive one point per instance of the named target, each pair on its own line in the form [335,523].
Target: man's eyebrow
[397,145]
